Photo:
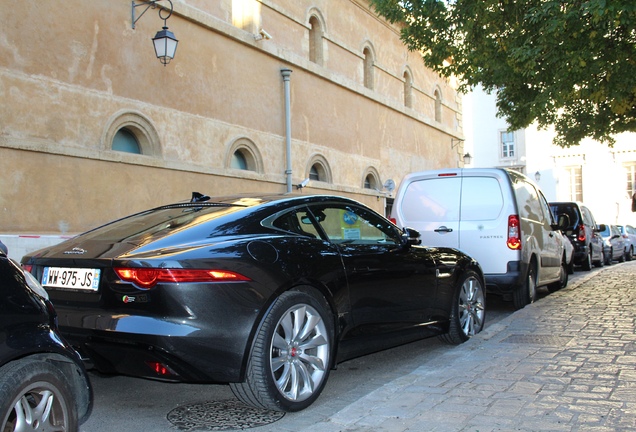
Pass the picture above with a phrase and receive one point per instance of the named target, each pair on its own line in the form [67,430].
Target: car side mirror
[600,228]
[411,237]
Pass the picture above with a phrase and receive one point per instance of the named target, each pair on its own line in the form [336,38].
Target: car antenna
[198,197]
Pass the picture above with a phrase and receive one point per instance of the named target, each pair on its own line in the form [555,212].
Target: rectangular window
[630,168]
[574,182]
[507,144]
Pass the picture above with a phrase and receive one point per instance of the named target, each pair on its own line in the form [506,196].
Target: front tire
[526,293]
[291,357]
[34,395]
[468,311]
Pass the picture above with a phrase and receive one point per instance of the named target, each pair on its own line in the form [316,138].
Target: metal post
[286,73]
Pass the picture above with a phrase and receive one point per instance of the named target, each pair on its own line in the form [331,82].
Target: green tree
[566,63]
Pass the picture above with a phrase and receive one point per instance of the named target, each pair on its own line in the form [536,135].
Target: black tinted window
[157,223]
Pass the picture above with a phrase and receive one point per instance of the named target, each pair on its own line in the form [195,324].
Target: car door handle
[443,229]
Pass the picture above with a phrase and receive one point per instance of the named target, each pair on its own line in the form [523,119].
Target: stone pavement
[564,363]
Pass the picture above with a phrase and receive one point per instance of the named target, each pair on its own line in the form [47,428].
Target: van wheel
[526,293]
[563,278]
[469,310]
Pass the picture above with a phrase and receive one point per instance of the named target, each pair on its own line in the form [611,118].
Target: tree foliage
[566,63]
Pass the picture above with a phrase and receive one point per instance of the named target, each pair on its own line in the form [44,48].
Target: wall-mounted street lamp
[537,176]
[467,159]
[164,41]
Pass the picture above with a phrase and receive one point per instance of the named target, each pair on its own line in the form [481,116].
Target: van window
[482,199]
[528,200]
[432,200]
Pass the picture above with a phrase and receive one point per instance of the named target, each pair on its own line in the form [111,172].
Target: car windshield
[606,231]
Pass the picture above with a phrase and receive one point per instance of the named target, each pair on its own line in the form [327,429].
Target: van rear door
[432,206]
[484,220]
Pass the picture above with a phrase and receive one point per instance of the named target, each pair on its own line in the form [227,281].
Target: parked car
[614,245]
[43,383]
[497,216]
[629,237]
[582,232]
[264,292]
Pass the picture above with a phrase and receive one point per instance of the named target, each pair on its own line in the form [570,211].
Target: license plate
[71,278]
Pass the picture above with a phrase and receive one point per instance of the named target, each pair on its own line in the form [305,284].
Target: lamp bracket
[455,142]
[150,4]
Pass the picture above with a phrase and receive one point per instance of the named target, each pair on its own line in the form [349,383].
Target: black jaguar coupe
[266,293]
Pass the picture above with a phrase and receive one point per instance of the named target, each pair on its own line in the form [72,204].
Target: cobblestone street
[565,363]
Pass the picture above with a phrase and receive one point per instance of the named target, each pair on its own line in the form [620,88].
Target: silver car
[629,237]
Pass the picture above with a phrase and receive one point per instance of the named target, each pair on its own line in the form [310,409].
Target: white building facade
[602,177]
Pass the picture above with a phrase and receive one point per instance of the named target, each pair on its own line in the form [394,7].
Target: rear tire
[291,357]
[526,293]
[587,263]
[469,310]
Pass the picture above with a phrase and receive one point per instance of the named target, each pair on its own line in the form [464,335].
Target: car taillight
[514,233]
[147,278]
[581,235]
[27,267]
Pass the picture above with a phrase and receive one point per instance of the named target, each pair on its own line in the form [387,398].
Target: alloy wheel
[471,306]
[299,352]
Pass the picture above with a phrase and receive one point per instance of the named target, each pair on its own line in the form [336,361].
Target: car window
[587,217]
[354,225]
[297,222]
[528,200]
[569,210]
[482,199]
[432,200]
[545,208]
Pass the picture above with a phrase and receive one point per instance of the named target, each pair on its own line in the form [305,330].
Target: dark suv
[582,232]
[43,383]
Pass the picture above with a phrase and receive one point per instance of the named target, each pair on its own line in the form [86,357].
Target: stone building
[94,127]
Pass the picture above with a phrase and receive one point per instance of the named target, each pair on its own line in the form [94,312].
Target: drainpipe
[286,73]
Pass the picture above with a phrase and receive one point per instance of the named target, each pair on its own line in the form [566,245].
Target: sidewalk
[565,363]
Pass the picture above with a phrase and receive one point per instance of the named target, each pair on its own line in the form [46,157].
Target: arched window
[371,179]
[438,105]
[318,169]
[238,161]
[315,40]
[314,172]
[368,67]
[125,141]
[131,132]
[242,154]
[408,89]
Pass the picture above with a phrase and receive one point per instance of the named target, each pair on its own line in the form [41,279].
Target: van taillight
[581,236]
[514,233]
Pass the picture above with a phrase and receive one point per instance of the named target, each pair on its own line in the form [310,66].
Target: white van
[497,216]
